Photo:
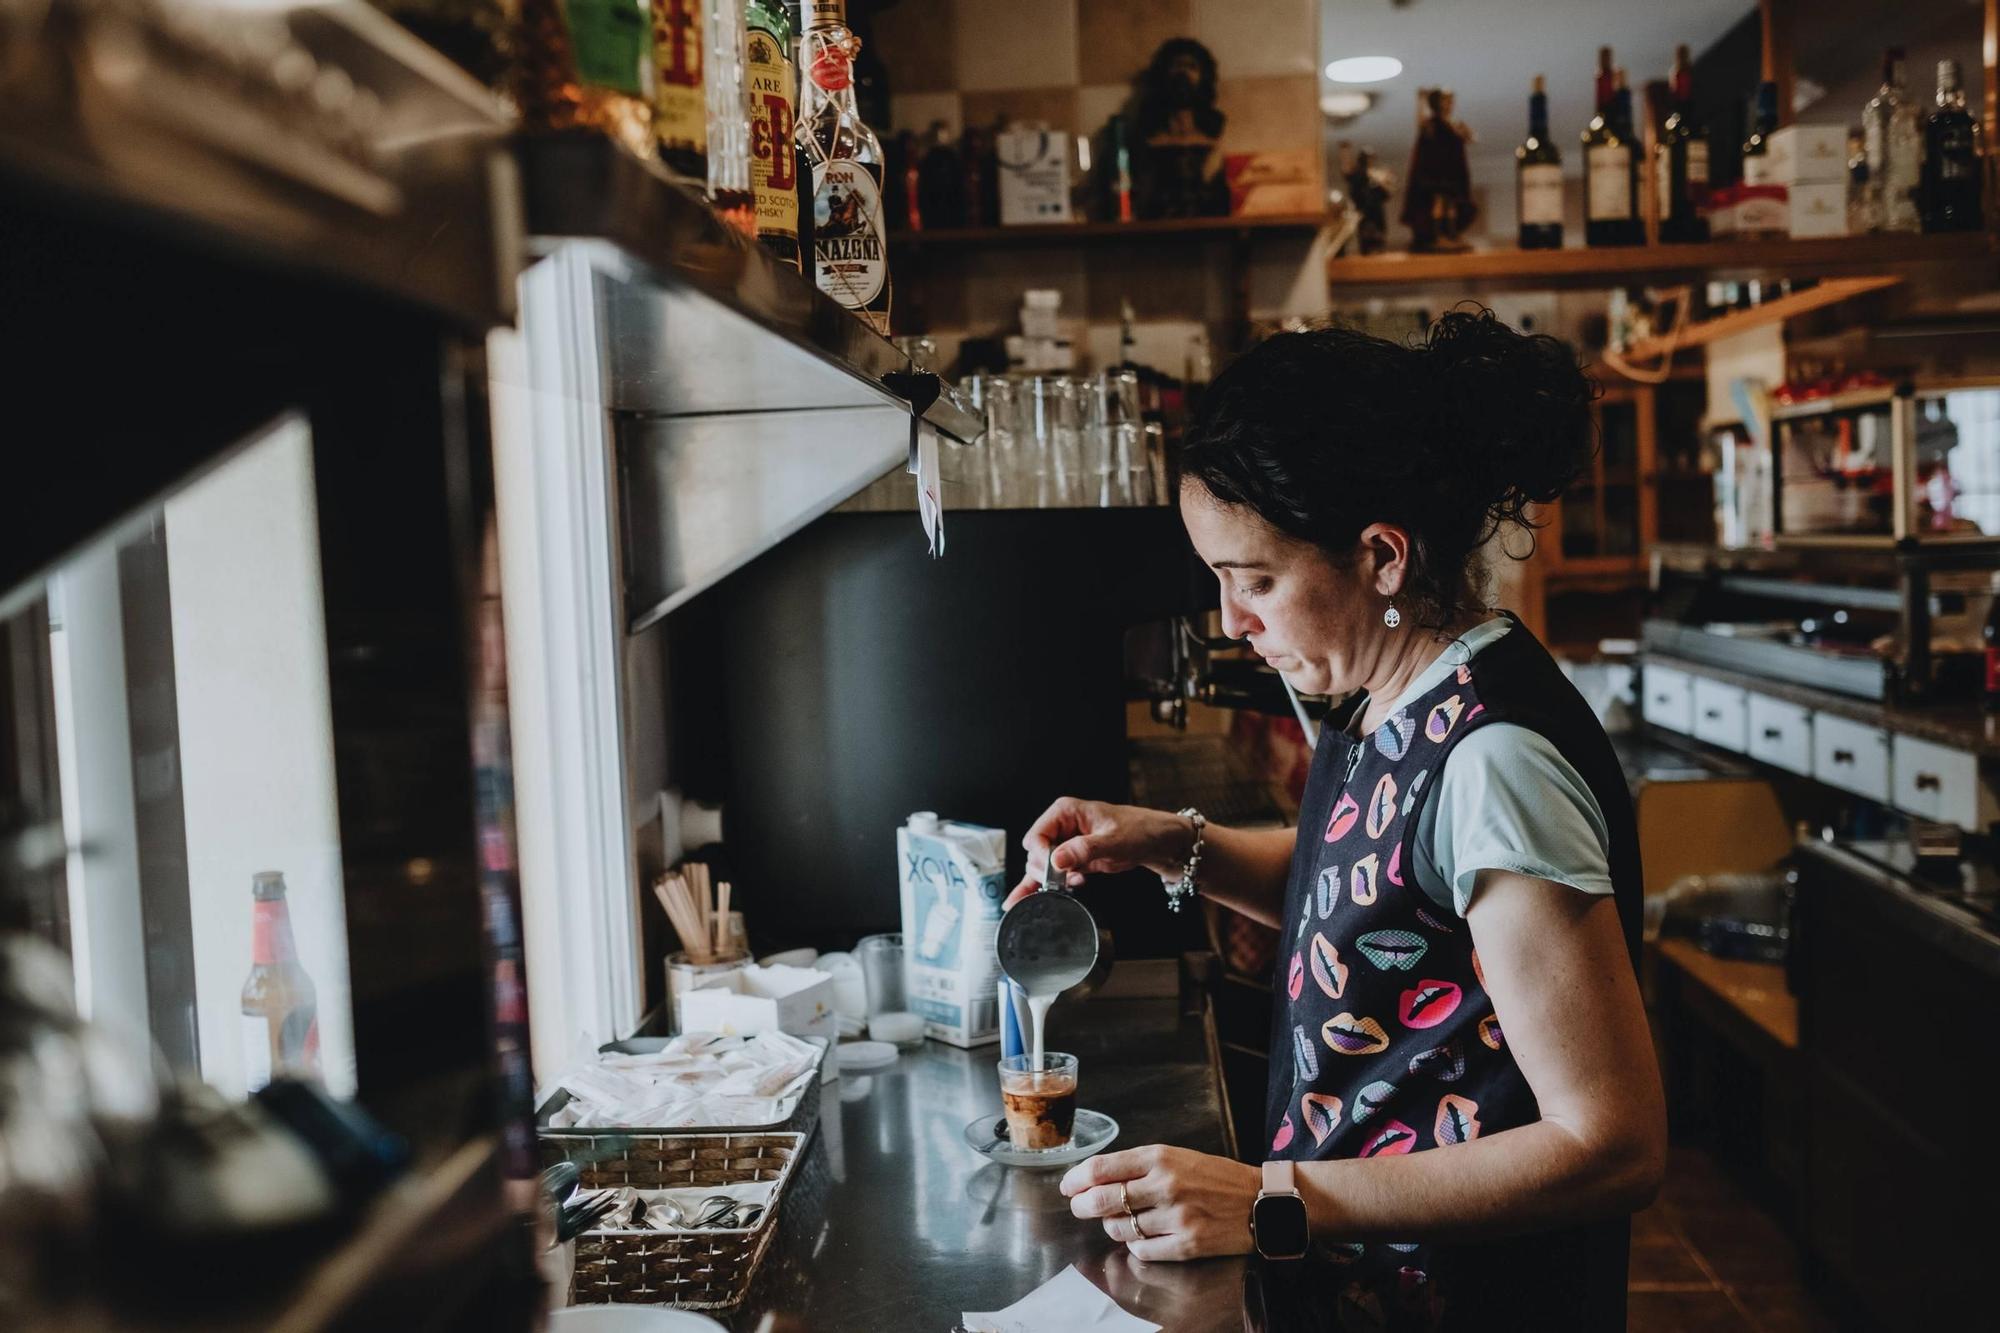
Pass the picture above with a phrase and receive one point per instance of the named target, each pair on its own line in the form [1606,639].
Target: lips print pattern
[1327,892]
[1283,1138]
[1372,1099]
[1361,883]
[1457,1120]
[1321,1114]
[1429,1003]
[1444,1063]
[1394,1139]
[1394,874]
[1341,822]
[1392,738]
[1305,1058]
[1489,1032]
[1328,972]
[1397,949]
[1382,805]
[1443,718]
[1295,977]
[1410,796]
[1348,1035]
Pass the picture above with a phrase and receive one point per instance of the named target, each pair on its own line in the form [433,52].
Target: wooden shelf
[1085,233]
[1829,291]
[1607,266]
[1853,400]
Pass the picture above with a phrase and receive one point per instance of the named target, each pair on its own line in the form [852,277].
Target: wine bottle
[1757,168]
[1611,205]
[1680,161]
[1538,178]
[1949,187]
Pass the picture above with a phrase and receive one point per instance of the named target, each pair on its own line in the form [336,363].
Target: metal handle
[1712,714]
[1843,756]
[1929,782]
[1773,734]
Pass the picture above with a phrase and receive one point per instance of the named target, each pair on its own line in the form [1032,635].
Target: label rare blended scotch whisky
[680,102]
[774,157]
[850,257]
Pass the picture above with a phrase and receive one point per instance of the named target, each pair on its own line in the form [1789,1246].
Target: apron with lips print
[1384,1039]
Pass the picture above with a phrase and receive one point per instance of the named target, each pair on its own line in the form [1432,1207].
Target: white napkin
[1066,1303]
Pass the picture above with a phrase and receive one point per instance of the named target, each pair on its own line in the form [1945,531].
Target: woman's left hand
[1187,1204]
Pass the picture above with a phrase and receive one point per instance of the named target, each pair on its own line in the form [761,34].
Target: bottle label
[680,99]
[1609,196]
[1697,169]
[610,40]
[1541,195]
[1757,169]
[773,164]
[852,265]
[824,13]
[1663,180]
[256,1051]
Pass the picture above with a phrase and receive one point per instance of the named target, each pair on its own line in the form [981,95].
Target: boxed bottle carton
[954,879]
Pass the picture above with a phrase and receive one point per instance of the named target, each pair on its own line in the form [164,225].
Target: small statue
[1175,127]
[1438,207]
[1368,190]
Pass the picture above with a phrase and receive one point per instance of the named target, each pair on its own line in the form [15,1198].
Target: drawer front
[1719,713]
[1669,698]
[1935,783]
[1781,734]
[1851,756]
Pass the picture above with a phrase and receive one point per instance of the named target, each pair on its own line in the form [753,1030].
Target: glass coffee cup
[1040,1100]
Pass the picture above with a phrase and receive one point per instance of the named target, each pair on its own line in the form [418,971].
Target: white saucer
[858,1056]
[1092,1134]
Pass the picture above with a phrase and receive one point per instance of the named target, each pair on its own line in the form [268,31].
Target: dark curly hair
[1322,432]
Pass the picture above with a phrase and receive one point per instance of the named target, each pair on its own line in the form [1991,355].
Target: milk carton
[953,881]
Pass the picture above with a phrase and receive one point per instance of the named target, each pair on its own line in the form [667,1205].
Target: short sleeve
[1507,800]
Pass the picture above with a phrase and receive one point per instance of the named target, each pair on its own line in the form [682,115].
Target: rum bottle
[280,1007]
[850,259]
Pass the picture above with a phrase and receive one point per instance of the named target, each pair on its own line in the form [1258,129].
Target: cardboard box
[1270,184]
[1818,210]
[798,1000]
[1742,210]
[1807,155]
[1034,176]
[953,878]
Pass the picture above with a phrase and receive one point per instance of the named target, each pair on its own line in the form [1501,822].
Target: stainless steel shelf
[171,119]
[753,335]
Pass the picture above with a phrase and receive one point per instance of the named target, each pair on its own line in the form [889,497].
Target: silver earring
[1392,617]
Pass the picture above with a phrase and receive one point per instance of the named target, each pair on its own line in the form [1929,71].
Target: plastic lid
[924,821]
[856,1056]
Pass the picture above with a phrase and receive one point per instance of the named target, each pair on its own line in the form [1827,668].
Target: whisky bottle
[1610,197]
[1895,149]
[1538,178]
[850,260]
[773,118]
[680,105]
[587,63]
[1950,183]
[1680,162]
[280,1007]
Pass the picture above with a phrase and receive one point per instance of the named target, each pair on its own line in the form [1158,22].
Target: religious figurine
[1175,127]
[1437,206]
[1368,190]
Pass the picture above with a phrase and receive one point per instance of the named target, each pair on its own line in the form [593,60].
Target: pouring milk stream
[1047,943]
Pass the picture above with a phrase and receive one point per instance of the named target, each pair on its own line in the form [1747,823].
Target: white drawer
[1719,713]
[1851,756]
[1668,698]
[1936,783]
[1781,734]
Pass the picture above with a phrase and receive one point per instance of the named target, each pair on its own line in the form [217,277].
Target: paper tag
[930,488]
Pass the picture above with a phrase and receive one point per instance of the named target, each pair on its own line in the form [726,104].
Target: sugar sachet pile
[698,1079]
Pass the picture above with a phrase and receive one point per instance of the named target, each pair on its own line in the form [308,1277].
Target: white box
[798,1000]
[1034,176]
[954,878]
[1807,155]
[1818,210]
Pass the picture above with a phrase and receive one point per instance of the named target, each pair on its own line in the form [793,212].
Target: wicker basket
[701,1270]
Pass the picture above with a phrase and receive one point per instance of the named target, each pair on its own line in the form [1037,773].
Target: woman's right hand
[1094,838]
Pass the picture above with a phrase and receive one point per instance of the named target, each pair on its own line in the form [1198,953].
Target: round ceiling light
[1364,69]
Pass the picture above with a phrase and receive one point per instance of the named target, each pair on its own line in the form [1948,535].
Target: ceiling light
[1345,103]
[1364,69]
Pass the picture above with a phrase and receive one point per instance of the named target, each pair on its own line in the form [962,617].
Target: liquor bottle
[773,116]
[727,84]
[1680,162]
[1859,219]
[1538,178]
[680,97]
[280,1007]
[1990,696]
[1757,148]
[587,63]
[1610,195]
[849,257]
[1121,170]
[1895,149]
[1607,80]
[941,180]
[1950,181]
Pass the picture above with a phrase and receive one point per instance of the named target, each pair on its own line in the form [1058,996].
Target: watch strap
[1280,1178]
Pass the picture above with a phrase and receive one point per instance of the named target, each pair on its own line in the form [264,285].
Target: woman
[1462,1080]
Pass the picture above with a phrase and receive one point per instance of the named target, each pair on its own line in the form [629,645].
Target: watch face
[1279,1223]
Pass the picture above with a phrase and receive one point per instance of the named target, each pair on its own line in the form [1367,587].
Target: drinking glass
[1039,1099]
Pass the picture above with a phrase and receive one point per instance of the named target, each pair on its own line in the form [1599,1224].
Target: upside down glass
[1040,1100]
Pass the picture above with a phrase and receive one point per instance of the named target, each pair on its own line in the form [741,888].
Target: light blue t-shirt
[1505,800]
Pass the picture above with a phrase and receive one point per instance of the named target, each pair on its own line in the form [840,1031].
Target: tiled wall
[1070,64]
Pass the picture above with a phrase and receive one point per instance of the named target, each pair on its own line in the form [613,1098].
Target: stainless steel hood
[741,403]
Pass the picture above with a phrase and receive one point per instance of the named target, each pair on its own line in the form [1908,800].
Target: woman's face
[1317,623]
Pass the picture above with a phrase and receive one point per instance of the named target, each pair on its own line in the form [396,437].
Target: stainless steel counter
[893,1223]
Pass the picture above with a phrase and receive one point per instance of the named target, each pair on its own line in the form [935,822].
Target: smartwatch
[1278,1218]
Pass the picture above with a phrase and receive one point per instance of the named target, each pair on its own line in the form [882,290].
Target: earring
[1391,616]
